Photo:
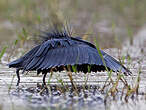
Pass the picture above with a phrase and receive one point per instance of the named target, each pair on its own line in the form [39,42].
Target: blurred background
[112,22]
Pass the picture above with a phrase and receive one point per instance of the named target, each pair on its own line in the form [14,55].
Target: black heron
[60,50]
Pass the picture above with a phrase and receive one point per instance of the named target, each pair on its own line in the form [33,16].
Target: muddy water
[27,95]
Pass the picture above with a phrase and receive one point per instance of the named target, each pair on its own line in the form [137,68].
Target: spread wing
[63,52]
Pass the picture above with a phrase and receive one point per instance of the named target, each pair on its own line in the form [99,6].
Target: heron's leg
[18,76]
[44,78]
[44,82]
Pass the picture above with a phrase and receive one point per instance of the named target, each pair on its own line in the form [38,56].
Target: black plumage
[59,51]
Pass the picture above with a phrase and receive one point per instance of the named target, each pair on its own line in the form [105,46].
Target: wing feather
[46,58]
[62,56]
[114,64]
[94,57]
[41,59]
[42,48]
[37,58]
[24,60]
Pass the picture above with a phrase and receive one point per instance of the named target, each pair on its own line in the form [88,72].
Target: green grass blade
[3,52]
